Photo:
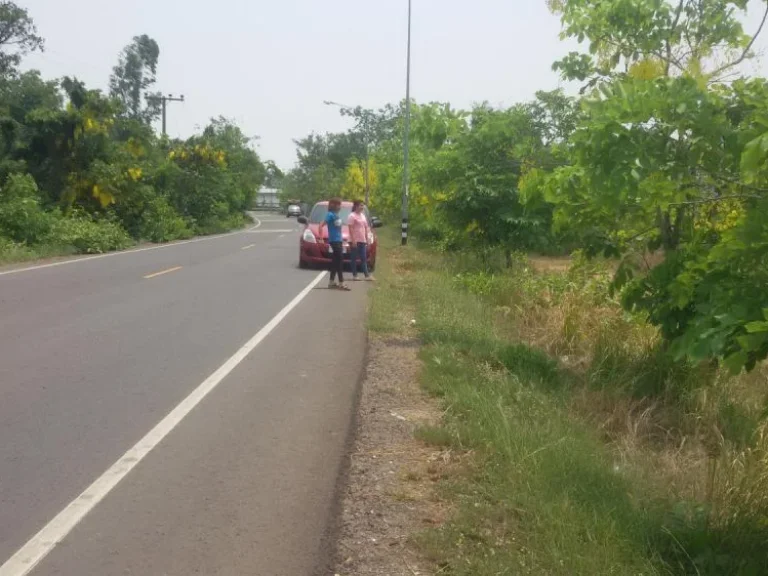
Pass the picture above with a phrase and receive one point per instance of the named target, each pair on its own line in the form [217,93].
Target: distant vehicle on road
[293,211]
[316,252]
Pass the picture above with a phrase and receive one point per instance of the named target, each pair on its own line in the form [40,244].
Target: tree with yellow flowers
[354,180]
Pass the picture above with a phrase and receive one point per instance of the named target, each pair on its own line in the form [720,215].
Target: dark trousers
[362,253]
[337,262]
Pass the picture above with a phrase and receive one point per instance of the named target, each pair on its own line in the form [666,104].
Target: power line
[164,101]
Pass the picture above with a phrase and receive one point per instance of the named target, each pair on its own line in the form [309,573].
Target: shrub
[88,236]
[22,219]
[161,223]
[11,251]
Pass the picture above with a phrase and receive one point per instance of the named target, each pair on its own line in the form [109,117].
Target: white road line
[40,545]
[124,252]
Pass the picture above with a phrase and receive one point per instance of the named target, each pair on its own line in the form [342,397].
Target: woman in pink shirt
[359,230]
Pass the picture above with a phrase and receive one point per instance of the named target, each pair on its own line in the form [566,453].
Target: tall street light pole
[406,150]
[364,130]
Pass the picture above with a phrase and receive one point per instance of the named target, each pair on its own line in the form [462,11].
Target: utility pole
[164,102]
[363,126]
[406,149]
[367,172]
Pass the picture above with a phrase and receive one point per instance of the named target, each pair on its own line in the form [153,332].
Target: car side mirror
[302,220]
[376,223]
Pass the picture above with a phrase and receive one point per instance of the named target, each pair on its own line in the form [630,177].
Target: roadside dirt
[390,493]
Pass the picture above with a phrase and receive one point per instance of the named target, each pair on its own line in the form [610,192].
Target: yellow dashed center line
[156,274]
[248,247]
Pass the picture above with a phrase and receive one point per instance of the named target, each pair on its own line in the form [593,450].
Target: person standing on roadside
[336,240]
[359,230]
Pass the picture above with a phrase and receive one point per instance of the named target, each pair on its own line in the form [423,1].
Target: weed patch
[588,451]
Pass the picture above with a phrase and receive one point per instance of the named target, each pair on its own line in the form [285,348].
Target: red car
[315,251]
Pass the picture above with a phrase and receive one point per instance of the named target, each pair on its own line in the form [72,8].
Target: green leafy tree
[273,176]
[134,76]
[665,157]
[484,168]
[651,38]
[243,164]
[18,37]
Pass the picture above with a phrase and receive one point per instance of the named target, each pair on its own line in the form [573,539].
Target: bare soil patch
[390,493]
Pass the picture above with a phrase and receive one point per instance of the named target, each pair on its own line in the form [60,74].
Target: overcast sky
[269,65]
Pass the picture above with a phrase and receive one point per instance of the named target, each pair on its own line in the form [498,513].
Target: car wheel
[303,265]
[372,266]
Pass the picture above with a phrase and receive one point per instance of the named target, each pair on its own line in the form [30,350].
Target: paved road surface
[94,354]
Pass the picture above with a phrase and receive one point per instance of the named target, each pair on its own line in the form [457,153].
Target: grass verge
[590,453]
[90,238]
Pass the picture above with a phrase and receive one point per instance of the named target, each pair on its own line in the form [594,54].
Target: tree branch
[660,55]
[718,199]
[678,13]
[746,51]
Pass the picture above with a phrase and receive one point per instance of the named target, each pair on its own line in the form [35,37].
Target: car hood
[315,228]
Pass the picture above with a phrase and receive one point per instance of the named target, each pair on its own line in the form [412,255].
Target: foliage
[354,179]
[82,171]
[18,37]
[135,73]
[487,164]
[665,158]
[22,219]
[465,168]
[555,458]
[89,236]
[273,176]
[649,38]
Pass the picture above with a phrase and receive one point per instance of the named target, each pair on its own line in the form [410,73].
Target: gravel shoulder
[390,490]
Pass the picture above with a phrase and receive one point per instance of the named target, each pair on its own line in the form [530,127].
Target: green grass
[11,253]
[545,494]
[16,253]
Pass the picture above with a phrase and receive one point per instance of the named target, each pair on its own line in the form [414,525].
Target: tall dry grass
[693,434]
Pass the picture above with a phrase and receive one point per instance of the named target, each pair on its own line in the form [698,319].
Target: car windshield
[319,212]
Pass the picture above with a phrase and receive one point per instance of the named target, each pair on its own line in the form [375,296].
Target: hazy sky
[270,64]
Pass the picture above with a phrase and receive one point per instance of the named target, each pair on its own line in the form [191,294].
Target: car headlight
[370,237]
[309,237]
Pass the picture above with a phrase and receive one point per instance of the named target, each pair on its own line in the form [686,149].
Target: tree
[244,165]
[667,157]
[18,37]
[650,38]
[356,180]
[21,95]
[134,75]
[484,168]
[273,177]
[322,163]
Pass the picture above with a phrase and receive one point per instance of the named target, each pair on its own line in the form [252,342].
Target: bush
[22,219]
[220,220]
[88,236]
[161,223]
[11,251]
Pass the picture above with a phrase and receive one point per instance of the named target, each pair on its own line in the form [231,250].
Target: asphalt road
[175,411]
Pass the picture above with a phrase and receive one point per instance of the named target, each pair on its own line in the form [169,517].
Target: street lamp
[406,136]
[364,132]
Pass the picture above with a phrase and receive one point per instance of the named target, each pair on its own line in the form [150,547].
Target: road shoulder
[389,493]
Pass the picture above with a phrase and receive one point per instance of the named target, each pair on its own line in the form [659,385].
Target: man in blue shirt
[336,240]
